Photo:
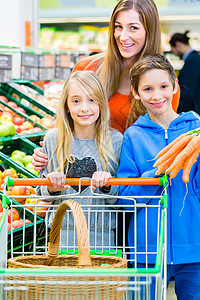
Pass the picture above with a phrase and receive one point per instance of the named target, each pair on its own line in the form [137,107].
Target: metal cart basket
[136,282]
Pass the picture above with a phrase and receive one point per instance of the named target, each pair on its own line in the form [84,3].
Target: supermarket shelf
[102,15]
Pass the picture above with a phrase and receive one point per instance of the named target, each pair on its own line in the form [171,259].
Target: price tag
[5,67]
[62,73]
[29,59]
[46,74]
[29,73]
[63,60]
[5,61]
[5,75]
[47,60]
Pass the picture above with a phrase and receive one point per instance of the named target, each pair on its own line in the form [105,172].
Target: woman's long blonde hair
[102,135]
[111,67]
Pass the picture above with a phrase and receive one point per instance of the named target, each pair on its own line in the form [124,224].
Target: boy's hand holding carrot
[179,154]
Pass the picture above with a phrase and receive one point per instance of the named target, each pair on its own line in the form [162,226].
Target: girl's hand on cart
[58,179]
[99,179]
[40,159]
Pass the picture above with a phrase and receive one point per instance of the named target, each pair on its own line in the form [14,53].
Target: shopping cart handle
[85,181]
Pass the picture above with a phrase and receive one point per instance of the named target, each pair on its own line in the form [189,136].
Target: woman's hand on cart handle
[40,159]
[58,179]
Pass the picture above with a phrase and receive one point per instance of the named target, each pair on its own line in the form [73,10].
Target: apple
[15,215]
[20,191]
[18,152]
[41,211]
[11,127]
[18,120]
[4,99]
[10,173]
[35,118]
[24,132]
[17,157]
[27,221]
[23,127]
[1,209]
[30,166]
[20,109]
[17,223]
[27,160]
[28,124]
[46,122]
[36,129]
[4,130]
[12,104]
[6,117]
[32,190]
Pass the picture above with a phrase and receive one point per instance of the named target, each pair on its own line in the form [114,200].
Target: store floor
[170,292]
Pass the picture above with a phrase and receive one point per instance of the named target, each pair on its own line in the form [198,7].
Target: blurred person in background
[189,76]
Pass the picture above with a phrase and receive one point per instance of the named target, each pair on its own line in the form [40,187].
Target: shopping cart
[137,282]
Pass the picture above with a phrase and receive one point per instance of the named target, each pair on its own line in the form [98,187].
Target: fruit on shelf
[46,122]
[41,211]
[18,152]
[20,191]
[15,215]
[27,160]
[4,99]
[35,118]
[17,157]
[6,117]
[28,124]
[10,172]
[12,104]
[11,128]
[17,223]
[4,130]
[18,120]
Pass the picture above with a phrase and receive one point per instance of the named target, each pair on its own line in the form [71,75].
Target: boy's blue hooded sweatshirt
[141,143]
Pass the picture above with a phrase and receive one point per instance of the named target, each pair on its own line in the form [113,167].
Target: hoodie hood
[180,122]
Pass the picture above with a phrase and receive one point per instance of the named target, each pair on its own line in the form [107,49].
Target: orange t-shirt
[119,104]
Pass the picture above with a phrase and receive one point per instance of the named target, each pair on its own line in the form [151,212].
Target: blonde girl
[83,145]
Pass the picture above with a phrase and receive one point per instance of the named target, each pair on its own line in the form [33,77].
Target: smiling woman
[134,31]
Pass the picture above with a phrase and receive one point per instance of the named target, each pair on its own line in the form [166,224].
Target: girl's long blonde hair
[102,135]
[111,67]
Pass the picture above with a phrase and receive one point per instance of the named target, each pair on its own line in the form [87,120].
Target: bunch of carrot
[181,153]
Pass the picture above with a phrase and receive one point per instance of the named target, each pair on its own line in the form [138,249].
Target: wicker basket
[104,289]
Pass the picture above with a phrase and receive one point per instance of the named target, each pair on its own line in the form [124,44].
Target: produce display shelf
[21,114]
[9,88]
[22,144]
[29,84]
[23,237]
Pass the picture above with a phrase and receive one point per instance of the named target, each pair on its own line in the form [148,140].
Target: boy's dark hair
[179,37]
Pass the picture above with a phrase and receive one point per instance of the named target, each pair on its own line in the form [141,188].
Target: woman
[134,31]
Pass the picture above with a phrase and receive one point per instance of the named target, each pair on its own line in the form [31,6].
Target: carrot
[165,149]
[189,163]
[176,169]
[180,144]
[167,163]
[181,157]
